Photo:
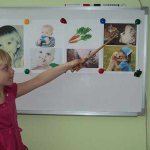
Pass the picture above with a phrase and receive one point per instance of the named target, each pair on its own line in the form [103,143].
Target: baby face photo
[119,58]
[45,34]
[81,53]
[46,38]
[126,34]
[11,40]
[44,58]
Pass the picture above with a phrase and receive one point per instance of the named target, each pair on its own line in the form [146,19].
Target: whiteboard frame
[44,112]
[79,113]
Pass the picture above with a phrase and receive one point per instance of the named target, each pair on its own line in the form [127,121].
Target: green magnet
[53,65]
[26,71]
[137,21]
[138,73]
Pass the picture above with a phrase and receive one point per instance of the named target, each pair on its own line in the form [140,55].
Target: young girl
[10,137]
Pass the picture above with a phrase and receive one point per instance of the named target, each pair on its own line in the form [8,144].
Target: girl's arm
[45,77]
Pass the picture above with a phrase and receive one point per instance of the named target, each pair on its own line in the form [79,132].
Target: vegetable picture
[81,34]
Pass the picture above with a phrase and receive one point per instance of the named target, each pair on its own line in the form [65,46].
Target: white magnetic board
[116,91]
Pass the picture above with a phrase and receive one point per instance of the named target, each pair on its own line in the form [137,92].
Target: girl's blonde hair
[4,57]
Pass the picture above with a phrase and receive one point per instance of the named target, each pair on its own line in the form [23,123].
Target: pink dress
[10,137]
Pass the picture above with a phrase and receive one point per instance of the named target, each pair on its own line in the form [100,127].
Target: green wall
[84,132]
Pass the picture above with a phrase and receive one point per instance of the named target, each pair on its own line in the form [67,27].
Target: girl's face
[6,74]
[9,43]
[121,56]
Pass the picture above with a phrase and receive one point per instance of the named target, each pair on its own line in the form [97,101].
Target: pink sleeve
[14,89]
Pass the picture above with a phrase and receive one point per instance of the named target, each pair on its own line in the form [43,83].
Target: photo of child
[44,58]
[120,59]
[82,53]
[46,38]
[11,41]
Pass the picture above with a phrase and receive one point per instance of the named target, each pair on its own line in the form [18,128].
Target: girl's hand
[75,65]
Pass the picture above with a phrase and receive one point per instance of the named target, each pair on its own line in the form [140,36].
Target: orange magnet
[26,21]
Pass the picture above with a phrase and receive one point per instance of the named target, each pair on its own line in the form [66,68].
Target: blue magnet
[102,20]
[137,21]
[27,71]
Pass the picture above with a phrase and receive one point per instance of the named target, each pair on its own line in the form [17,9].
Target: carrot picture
[81,34]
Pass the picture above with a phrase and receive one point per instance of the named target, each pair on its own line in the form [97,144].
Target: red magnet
[63,20]
[86,4]
[101,71]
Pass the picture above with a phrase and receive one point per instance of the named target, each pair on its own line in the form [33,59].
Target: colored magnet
[138,73]
[26,21]
[137,21]
[63,20]
[86,4]
[53,65]
[102,21]
[26,71]
[101,71]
